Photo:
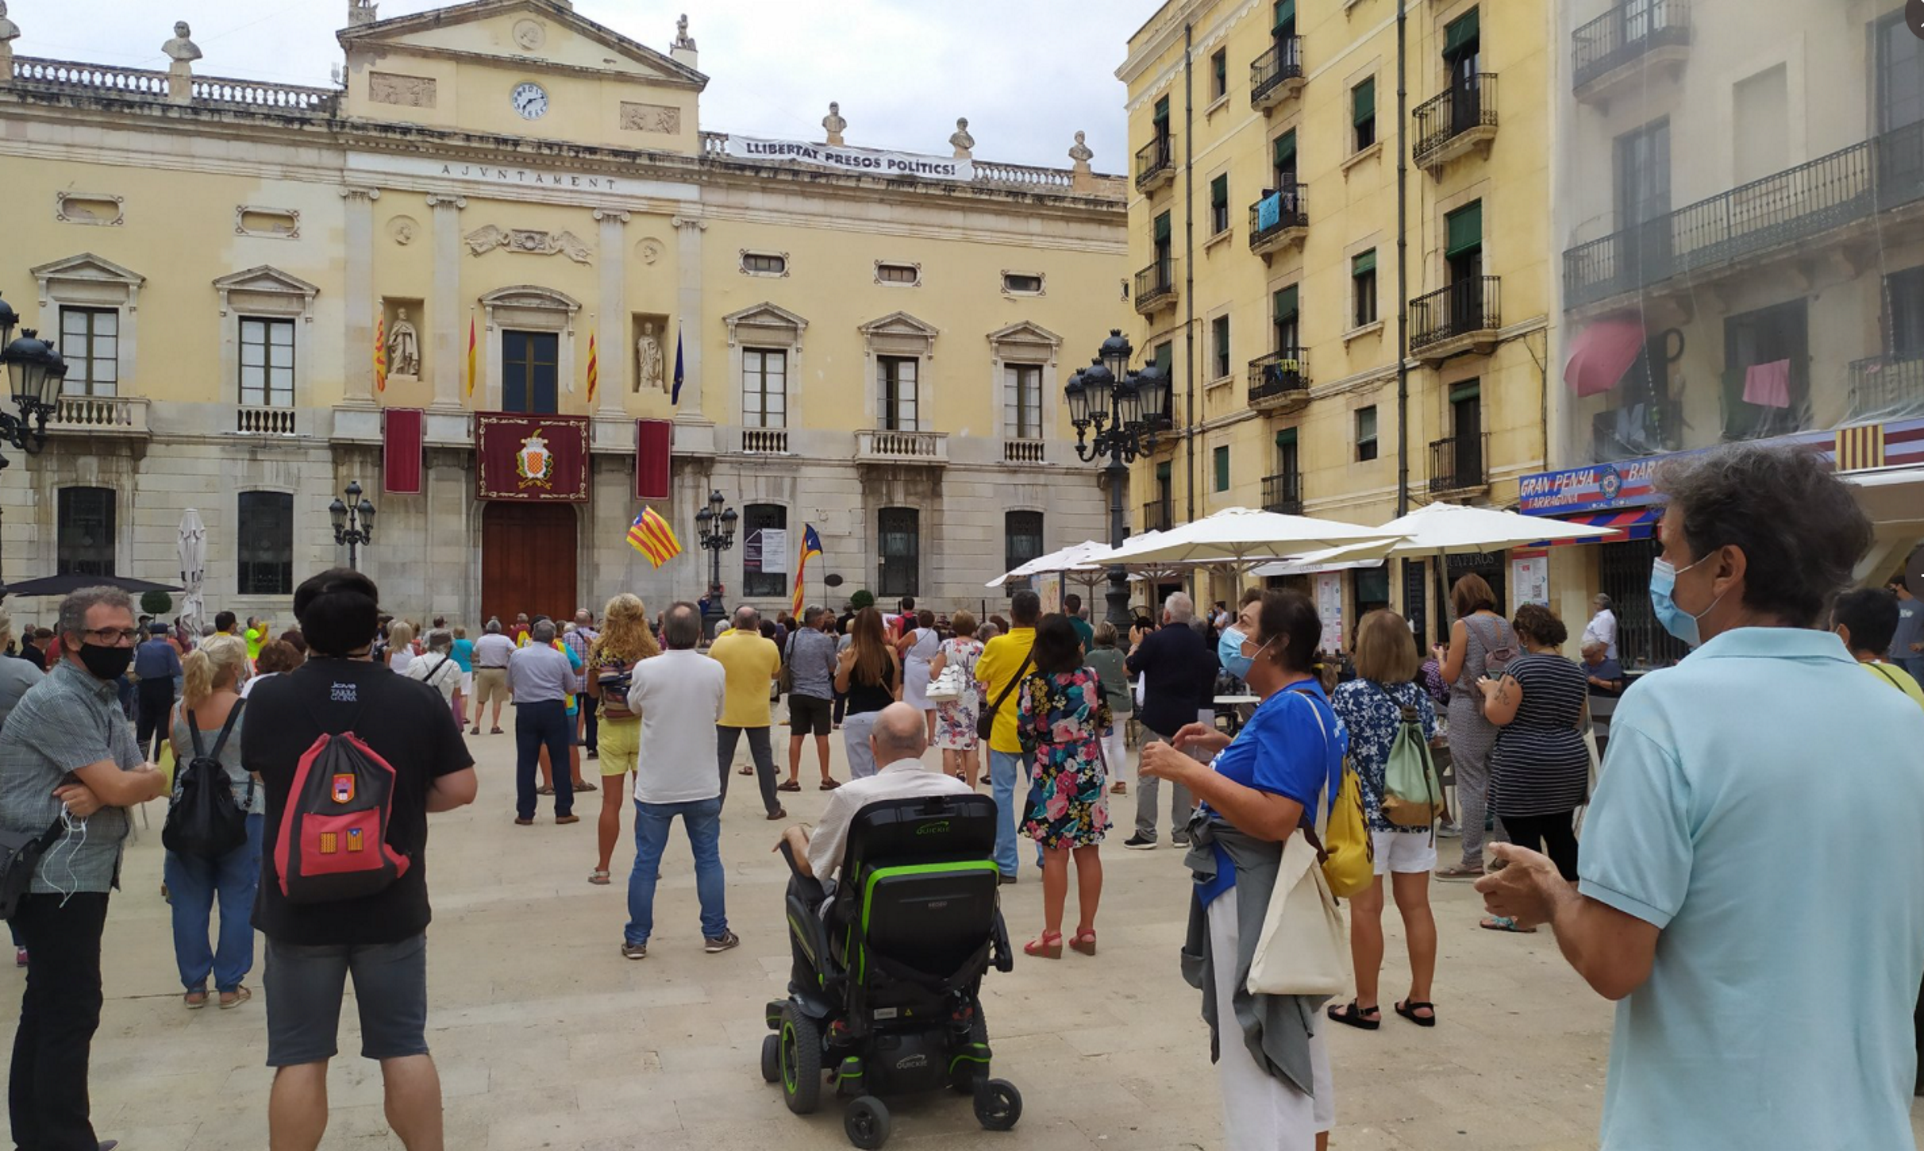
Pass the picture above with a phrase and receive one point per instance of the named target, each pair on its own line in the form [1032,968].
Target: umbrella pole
[1442,602]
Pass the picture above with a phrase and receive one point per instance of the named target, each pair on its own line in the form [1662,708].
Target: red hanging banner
[654,445]
[524,457]
[402,435]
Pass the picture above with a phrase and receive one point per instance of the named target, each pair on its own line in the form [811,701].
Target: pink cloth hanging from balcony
[1601,354]
[1768,385]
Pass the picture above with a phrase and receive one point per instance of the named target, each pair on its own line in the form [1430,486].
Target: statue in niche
[833,123]
[648,353]
[962,142]
[404,347]
[181,49]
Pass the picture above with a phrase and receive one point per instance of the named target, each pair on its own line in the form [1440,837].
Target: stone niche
[412,312]
[660,376]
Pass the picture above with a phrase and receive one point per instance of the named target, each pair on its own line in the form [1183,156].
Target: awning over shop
[1601,354]
[1631,523]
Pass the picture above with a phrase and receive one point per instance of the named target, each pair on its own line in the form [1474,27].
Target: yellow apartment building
[586,302]
[1339,226]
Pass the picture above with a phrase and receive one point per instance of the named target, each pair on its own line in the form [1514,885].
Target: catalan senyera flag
[594,370]
[380,353]
[651,536]
[811,546]
[470,356]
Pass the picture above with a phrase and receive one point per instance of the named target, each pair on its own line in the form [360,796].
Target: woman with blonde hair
[211,700]
[625,640]
[955,719]
[870,672]
[400,646]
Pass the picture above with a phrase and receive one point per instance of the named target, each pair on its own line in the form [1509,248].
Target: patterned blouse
[1373,712]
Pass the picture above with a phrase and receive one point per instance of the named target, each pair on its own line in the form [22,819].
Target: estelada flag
[651,536]
[470,356]
[594,370]
[811,546]
[380,353]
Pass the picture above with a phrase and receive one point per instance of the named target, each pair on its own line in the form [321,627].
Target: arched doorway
[528,560]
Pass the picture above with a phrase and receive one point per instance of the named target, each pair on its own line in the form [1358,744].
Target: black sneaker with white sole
[1139,843]
[634,951]
[724,942]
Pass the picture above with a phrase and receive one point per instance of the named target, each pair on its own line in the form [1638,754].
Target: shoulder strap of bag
[1885,671]
[1013,680]
[193,733]
[1315,834]
[226,729]
[429,677]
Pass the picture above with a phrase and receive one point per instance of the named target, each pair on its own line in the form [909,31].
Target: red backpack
[333,838]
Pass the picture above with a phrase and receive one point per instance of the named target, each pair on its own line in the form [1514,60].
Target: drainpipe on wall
[1189,263]
[1402,268]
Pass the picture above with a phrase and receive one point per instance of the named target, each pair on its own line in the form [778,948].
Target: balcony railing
[1886,386]
[1276,73]
[100,415]
[1273,217]
[1278,378]
[261,420]
[1829,192]
[1283,493]
[1156,516]
[1461,118]
[1458,464]
[1154,161]
[1024,452]
[910,447]
[1624,35]
[764,441]
[1468,310]
[1156,285]
[103,80]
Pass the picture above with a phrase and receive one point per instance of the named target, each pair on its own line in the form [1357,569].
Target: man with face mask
[68,759]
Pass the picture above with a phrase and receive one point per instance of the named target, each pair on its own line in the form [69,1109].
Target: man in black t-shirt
[1179,669]
[380,939]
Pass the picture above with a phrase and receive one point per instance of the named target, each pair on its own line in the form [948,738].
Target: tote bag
[1304,948]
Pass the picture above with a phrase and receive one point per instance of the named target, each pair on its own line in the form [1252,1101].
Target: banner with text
[521,457]
[861,161]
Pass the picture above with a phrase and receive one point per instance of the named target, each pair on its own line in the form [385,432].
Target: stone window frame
[89,281]
[266,292]
[530,308]
[915,266]
[773,328]
[745,253]
[899,334]
[242,537]
[1042,283]
[1023,342]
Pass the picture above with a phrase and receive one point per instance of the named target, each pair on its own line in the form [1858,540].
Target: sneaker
[723,942]
[1140,843]
[594,753]
[634,951]
[564,820]
[520,822]
[1007,879]
[1448,830]
[1179,840]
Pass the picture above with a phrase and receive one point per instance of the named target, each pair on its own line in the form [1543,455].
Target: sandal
[830,784]
[1084,941]
[1505,923]
[232,999]
[496,731]
[599,877]
[1460,872]
[195,1000]
[1358,1017]
[544,791]
[745,769]
[789,785]
[1120,787]
[584,786]
[1042,948]
[1408,1009]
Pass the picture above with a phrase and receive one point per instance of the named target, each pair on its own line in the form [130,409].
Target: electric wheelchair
[884,996]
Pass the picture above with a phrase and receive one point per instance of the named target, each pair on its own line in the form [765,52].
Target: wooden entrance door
[528,560]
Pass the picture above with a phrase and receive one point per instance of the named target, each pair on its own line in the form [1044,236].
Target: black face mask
[106,663]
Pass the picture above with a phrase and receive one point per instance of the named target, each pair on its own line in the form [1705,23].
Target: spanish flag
[651,536]
[811,546]
[470,355]
[594,370]
[380,353]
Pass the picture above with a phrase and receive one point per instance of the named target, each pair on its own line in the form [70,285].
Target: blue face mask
[1229,649]
[1675,620]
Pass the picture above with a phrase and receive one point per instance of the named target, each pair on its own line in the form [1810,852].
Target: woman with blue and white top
[213,673]
[1371,707]
[1260,789]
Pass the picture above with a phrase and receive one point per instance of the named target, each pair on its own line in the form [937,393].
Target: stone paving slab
[547,1040]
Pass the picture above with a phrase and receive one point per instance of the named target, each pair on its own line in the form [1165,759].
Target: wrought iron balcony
[1463,317]
[1283,493]
[1620,49]
[1156,164]
[1277,74]
[1279,219]
[1883,387]
[1279,381]
[1457,122]
[1156,286]
[1157,516]
[1458,465]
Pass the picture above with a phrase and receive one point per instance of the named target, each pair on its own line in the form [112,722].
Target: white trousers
[1115,752]
[1261,1112]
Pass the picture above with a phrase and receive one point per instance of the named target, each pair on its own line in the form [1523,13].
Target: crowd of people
[1671,901]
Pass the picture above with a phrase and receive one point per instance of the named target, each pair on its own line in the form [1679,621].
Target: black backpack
[203,818]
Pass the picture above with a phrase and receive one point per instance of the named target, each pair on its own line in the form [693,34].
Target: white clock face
[531,101]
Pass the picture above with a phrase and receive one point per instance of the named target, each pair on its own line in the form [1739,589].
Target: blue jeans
[535,724]
[1005,768]
[1915,665]
[193,885]
[702,820]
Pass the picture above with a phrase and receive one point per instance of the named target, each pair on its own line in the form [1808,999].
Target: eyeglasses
[113,636]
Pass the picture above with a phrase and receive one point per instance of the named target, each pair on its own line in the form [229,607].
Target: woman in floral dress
[1060,718]
[955,719]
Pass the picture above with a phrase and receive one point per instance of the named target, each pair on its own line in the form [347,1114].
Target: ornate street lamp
[35,373]
[1116,413]
[715,524]
[353,521]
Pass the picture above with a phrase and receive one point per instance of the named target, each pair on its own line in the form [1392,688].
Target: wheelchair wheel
[800,1062]
[867,1122]
[998,1105]
[771,1058]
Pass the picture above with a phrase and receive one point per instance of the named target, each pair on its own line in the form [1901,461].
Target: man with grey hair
[69,767]
[679,695]
[437,668]
[1179,673]
[491,654]
[752,663]
[541,680]
[810,656]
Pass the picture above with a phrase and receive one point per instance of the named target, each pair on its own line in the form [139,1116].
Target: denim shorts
[304,986]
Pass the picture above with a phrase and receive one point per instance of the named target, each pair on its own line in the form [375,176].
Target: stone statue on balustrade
[9,31]
[648,355]
[682,38]
[404,347]
[833,123]
[962,142]
[181,49]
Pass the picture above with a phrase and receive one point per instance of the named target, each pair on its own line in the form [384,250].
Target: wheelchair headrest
[937,827]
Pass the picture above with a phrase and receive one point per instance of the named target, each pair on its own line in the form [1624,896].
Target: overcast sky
[1027,73]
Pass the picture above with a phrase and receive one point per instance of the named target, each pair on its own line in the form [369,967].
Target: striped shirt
[1540,765]
[66,721]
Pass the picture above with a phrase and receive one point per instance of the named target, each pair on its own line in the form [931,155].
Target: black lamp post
[353,521]
[1124,409]
[716,525]
[35,373]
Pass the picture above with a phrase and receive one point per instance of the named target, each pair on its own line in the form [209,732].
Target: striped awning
[1631,523]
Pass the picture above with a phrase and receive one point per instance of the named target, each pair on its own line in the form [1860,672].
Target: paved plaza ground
[547,1038]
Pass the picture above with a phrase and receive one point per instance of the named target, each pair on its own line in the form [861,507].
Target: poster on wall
[1329,605]
[1530,579]
[774,551]
[1049,587]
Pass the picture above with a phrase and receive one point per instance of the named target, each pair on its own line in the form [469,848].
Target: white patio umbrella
[1072,558]
[1345,558]
[1241,535]
[192,545]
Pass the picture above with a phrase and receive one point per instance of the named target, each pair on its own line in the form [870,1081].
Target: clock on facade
[530,100]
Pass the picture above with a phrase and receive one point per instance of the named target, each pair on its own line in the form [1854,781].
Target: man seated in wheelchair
[893,919]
